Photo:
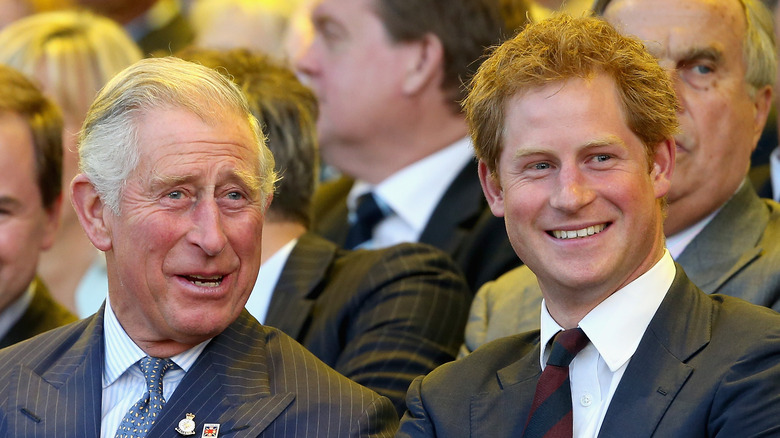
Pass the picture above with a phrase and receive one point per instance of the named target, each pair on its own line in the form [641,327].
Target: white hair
[108,142]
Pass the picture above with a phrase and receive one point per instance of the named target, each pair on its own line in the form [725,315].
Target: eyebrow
[609,140]
[697,53]
[244,178]
[9,202]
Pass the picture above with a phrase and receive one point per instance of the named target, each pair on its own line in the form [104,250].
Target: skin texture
[26,227]
[700,42]
[192,207]
[569,161]
[381,103]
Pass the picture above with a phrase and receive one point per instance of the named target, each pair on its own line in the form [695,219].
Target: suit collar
[220,388]
[300,283]
[659,369]
[457,211]
[710,260]
[503,412]
[656,373]
[61,377]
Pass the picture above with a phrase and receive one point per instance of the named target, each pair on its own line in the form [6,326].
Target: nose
[571,192]
[305,61]
[208,232]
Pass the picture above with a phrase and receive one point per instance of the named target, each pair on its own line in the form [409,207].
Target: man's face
[578,195]
[701,43]
[355,70]
[26,228]
[185,249]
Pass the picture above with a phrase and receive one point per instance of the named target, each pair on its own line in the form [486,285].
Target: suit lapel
[72,386]
[503,413]
[299,285]
[457,211]
[330,210]
[219,389]
[658,370]
[710,260]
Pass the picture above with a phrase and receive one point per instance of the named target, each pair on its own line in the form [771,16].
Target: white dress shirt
[267,277]
[123,382]
[411,194]
[14,311]
[774,172]
[614,328]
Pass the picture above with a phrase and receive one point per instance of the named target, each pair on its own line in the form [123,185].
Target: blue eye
[602,158]
[541,166]
[235,196]
[702,69]
[176,194]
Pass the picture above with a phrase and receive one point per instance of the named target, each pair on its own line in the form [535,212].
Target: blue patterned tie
[140,418]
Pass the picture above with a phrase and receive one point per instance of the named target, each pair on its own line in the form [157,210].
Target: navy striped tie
[551,415]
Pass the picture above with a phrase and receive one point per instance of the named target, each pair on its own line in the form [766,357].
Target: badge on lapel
[210,430]
[187,425]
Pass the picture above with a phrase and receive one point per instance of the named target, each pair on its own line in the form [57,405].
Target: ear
[491,186]
[663,167]
[91,212]
[52,223]
[424,62]
[762,103]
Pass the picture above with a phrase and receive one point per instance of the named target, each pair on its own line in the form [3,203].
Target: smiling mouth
[205,281]
[577,234]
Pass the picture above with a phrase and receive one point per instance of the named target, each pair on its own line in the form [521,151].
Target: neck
[276,234]
[375,159]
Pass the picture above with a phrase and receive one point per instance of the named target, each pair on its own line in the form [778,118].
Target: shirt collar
[774,172]
[14,311]
[122,352]
[616,326]
[401,191]
[267,278]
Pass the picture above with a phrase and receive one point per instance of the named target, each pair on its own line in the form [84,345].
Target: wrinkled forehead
[672,28]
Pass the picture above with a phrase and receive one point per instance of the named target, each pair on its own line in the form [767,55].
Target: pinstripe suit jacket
[379,317]
[42,314]
[707,365]
[461,225]
[253,380]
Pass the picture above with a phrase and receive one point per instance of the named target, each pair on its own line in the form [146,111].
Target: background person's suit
[738,252]
[461,225]
[42,314]
[707,365]
[253,380]
[380,317]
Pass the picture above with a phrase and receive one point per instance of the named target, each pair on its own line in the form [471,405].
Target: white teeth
[201,281]
[589,231]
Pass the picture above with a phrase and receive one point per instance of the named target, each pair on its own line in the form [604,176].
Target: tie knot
[154,368]
[367,215]
[368,210]
[566,345]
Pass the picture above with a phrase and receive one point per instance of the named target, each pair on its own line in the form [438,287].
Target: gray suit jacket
[253,380]
[737,254]
[379,317]
[707,365]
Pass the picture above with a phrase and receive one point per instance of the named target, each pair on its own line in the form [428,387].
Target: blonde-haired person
[71,55]
[260,25]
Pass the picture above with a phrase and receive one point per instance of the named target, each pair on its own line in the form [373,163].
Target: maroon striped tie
[551,415]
